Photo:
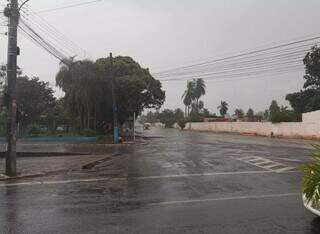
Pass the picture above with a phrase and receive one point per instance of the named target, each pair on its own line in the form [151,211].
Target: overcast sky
[168,33]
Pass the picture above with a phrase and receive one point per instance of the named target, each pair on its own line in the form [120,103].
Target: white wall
[290,130]
[311,117]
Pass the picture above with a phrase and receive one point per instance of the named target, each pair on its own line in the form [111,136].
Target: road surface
[182,182]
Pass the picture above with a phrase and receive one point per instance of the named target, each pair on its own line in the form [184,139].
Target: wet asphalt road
[182,182]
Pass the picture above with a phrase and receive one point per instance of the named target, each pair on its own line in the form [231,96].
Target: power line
[69,6]
[240,55]
[252,59]
[39,40]
[49,37]
[50,30]
[256,74]
[273,60]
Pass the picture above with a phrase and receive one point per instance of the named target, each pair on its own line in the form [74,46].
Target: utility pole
[114,105]
[13,15]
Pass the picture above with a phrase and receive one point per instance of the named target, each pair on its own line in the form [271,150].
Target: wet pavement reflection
[181,182]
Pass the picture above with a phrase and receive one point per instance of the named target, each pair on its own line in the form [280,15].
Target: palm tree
[224,106]
[188,96]
[199,90]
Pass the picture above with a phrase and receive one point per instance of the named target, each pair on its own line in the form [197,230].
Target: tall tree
[87,89]
[199,89]
[223,108]
[239,113]
[79,80]
[135,87]
[274,108]
[312,67]
[308,99]
[250,114]
[34,98]
[188,96]
[266,115]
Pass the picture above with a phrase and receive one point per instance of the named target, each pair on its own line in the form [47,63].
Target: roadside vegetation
[311,179]
[306,100]
[86,108]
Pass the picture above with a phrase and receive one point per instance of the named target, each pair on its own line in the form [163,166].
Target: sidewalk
[39,166]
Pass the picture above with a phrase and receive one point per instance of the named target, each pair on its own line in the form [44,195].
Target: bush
[311,179]
[182,123]
[284,116]
[88,132]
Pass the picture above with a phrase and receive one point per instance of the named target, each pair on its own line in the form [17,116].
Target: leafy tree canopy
[34,98]
[87,87]
[274,108]
[239,113]
[308,99]
[250,113]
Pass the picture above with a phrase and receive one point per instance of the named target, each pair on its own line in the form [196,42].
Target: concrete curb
[94,163]
[86,166]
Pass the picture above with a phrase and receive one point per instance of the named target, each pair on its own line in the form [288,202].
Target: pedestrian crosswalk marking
[266,164]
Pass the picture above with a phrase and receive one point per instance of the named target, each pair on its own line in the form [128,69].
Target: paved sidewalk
[37,166]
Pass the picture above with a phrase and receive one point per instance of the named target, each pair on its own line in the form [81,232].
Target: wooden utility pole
[114,105]
[13,15]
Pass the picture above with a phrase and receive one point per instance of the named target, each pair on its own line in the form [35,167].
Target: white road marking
[206,163]
[180,164]
[54,182]
[227,199]
[210,174]
[290,159]
[285,169]
[264,163]
[34,183]
[190,163]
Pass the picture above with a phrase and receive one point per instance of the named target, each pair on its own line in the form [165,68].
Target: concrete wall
[289,130]
[311,117]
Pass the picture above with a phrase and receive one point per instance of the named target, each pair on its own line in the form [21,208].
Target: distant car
[311,206]
[59,128]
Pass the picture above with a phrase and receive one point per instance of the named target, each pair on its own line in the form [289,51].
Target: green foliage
[195,118]
[200,88]
[87,87]
[308,99]
[170,117]
[284,116]
[311,178]
[191,97]
[266,115]
[250,114]
[34,98]
[273,109]
[312,65]
[182,123]
[150,117]
[223,108]
[305,101]
[239,113]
